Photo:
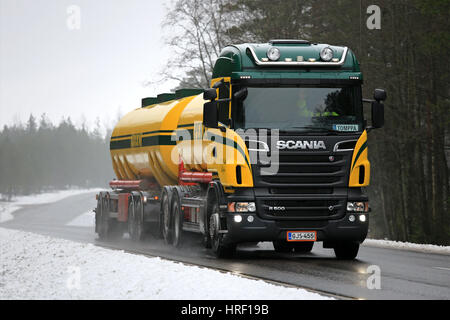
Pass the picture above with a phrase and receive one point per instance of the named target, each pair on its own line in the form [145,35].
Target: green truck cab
[301,102]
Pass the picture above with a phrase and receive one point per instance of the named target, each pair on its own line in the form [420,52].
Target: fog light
[362,218]
[237,218]
[351,218]
[250,219]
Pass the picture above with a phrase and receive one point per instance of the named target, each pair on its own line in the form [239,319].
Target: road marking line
[442,268]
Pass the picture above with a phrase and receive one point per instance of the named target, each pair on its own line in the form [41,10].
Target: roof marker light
[273,53]
[326,54]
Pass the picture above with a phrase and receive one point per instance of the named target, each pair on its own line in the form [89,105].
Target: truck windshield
[300,108]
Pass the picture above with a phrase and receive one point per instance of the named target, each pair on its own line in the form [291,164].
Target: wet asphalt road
[404,274]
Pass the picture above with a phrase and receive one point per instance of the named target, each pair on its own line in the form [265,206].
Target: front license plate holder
[301,236]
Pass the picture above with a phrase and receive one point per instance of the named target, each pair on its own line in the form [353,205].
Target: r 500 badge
[301,236]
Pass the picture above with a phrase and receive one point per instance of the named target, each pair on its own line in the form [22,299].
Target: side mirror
[210,94]
[377,114]
[241,94]
[380,95]
[210,115]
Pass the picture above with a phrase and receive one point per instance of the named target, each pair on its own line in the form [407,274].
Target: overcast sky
[51,63]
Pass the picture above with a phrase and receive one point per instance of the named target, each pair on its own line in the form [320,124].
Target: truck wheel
[166,223]
[282,246]
[220,250]
[303,247]
[346,251]
[99,223]
[135,219]
[106,227]
[177,218]
[102,225]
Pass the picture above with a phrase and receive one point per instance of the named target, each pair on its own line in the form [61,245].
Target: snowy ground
[39,267]
[428,248]
[7,208]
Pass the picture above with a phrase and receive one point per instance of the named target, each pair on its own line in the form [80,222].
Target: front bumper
[269,230]
[264,228]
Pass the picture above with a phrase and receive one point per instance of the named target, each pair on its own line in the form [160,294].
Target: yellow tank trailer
[149,142]
[196,160]
[142,142]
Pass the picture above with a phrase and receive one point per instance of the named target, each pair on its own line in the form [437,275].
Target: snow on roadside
[39,267]
[388,244]
[7,208]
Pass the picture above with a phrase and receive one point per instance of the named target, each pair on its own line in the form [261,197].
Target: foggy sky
[92,71]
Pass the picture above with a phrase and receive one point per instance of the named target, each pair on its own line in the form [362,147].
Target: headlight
[357,206]
[241,207]
[273,54]
[326,54]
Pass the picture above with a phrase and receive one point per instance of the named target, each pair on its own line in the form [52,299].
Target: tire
[99,224]
[346,251]
[217,246]
[303,247]
[106,227]
[136,219]
[177,218]
[102,224]
[166,221]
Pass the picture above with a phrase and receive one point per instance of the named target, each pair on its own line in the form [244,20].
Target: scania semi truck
[275,150]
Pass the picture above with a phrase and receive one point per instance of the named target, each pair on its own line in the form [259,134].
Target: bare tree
[196,31]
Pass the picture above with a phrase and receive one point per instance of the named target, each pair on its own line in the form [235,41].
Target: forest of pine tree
[39,156]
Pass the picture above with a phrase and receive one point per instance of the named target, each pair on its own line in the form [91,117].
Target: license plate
[301,236]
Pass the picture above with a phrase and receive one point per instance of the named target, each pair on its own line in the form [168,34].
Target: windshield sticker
[346,127]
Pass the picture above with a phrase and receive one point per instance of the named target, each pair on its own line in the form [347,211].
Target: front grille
[297,169]
[278,179]
[301,208]
[295,156]
[301,190]
[307,187]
